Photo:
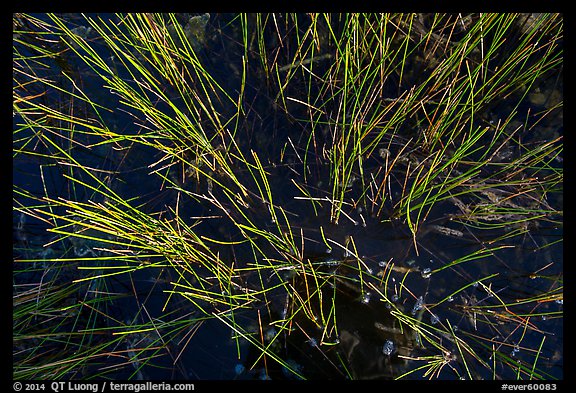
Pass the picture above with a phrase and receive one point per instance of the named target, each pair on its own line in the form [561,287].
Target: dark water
[369,341]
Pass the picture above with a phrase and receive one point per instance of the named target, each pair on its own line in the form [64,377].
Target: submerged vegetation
[288,196]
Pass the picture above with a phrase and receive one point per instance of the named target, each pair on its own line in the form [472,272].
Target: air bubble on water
[366,298]
[410,262]
[434,319]
[426,273]
[388,348]
[382,264]
[328,251]
[515,350]
[418,305]
[394,298]
[450,299]
[559,301]
[312,342]
[418,339]
[475,284]
[543,317]
[239,369]
[81,251]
